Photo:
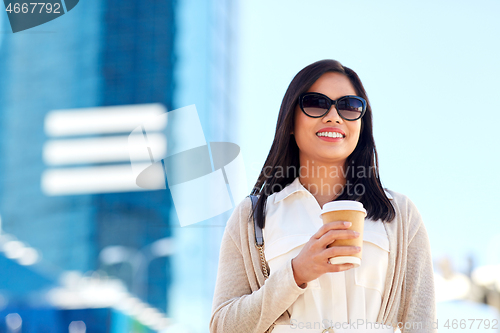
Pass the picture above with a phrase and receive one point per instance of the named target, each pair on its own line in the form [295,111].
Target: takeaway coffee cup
[351,211]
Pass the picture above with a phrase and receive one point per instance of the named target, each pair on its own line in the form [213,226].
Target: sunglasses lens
[315,105]
[350,108]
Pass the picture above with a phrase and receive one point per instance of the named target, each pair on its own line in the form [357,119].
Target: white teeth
[330,134]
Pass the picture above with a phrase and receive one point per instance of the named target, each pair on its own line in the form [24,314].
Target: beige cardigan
[243,303]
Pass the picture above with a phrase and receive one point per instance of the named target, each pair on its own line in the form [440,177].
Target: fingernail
[347,224]
[356,233]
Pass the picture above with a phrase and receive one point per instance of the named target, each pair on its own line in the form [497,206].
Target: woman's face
[320,148]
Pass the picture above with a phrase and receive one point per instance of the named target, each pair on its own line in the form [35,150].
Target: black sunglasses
[317,105]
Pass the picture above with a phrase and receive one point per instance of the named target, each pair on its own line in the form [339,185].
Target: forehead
[333,85]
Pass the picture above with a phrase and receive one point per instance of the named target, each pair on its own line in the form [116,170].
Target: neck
[324,180]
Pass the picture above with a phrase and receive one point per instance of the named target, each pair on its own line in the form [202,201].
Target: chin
[333,158]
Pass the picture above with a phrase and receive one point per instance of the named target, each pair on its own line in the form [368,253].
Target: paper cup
[351,211]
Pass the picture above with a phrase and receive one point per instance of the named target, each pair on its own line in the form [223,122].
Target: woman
[323,150]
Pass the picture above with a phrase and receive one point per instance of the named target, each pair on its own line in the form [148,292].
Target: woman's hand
[312,261]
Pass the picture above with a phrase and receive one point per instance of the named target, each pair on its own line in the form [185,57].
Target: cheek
[356,132]
[303,137]
[300,126]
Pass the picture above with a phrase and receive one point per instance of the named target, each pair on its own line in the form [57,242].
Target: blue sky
[432,74]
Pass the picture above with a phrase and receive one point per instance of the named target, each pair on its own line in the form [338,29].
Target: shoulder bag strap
[259,239]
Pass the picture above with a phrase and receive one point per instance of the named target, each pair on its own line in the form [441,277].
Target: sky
[432,75]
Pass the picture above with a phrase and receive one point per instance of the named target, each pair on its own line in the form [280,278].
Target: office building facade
[106,54]
[102,53]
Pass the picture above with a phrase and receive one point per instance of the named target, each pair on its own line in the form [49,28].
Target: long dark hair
[284,153]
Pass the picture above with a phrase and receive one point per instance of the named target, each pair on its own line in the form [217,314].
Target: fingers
[331,226]
[332,235]
[336,251]
[339,267]
[313,258]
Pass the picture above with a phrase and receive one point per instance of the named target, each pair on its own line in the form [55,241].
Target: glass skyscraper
[116,53]
[102,53]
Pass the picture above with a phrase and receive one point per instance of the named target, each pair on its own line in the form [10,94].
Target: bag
[259,239]
[259,244]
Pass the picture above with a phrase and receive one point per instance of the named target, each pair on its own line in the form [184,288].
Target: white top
[292,217]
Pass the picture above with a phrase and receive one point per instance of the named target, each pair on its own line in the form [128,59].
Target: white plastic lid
[345,260]
[343,205]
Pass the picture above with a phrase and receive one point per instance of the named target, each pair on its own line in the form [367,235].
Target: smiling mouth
[331,134]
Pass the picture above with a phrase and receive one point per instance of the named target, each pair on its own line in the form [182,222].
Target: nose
[332,116]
